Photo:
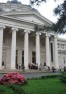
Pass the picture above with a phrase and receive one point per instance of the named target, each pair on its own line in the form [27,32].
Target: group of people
[46,68]
[35,66]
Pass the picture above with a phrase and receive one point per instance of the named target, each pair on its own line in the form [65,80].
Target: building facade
[21,44]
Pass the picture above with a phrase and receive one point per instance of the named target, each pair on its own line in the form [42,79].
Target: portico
[22,41]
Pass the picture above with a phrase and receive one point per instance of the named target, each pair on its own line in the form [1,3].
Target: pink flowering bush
[12,77]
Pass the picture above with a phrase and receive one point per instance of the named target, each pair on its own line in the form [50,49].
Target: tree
[36,1]
[60,26]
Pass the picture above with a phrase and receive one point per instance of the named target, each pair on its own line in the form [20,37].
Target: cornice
[19,20]
[61,39]
[30,13]
[16,23]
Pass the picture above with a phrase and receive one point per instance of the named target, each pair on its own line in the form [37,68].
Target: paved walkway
[30,73]
[38,75]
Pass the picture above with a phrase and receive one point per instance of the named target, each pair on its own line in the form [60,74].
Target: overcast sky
[46,9]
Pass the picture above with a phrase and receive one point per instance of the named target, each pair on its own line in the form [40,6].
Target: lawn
[37,86]
[45,86]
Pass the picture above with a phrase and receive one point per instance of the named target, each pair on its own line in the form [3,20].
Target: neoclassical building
[21,44]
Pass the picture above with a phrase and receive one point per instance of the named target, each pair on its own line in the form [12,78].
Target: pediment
[24,13]
[28,17]
[32,18]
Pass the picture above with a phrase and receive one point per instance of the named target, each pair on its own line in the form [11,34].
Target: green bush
[63,77]
[16,88]
[5,90]
[49,76]
[64,69]
[11,89]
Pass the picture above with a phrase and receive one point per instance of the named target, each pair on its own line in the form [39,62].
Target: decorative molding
[55,36]
[2,27]
[14,29]
[28,31]
[47,35]
[38,33]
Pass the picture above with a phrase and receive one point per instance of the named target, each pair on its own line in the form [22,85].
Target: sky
[46,9]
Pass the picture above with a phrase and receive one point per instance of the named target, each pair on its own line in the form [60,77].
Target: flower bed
[13,77]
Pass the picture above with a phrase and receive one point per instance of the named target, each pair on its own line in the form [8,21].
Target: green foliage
[63,77]
[50,76]
[5,90]
[11,89]
[64,69]
[36,1]
[60,26]
[16,88]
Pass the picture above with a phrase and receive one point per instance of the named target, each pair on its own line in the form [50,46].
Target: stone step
[21,71]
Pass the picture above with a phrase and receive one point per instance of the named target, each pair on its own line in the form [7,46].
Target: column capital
[2,27]
[14,29]
[55,36]
[47,35]
[38,33]
[28,31]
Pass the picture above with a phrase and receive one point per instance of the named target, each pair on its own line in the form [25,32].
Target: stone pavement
[30,73]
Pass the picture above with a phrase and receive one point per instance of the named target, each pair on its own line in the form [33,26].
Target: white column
[13,48]
[38,48]
[56,53]
[47,50]
[1,45]
[26,49]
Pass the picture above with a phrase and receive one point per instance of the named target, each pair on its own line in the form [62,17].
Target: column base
[0,68]
[26,68]
[13,68]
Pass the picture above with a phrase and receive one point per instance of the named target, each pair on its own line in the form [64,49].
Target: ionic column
[13,48]
[47,50]
[1,45]
[56,53]
[26,49]
[38,48]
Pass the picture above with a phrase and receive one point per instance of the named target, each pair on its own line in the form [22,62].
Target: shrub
[64,69]
[63,77]
[16,88]
[5,90]
[13,77]
[49,76]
